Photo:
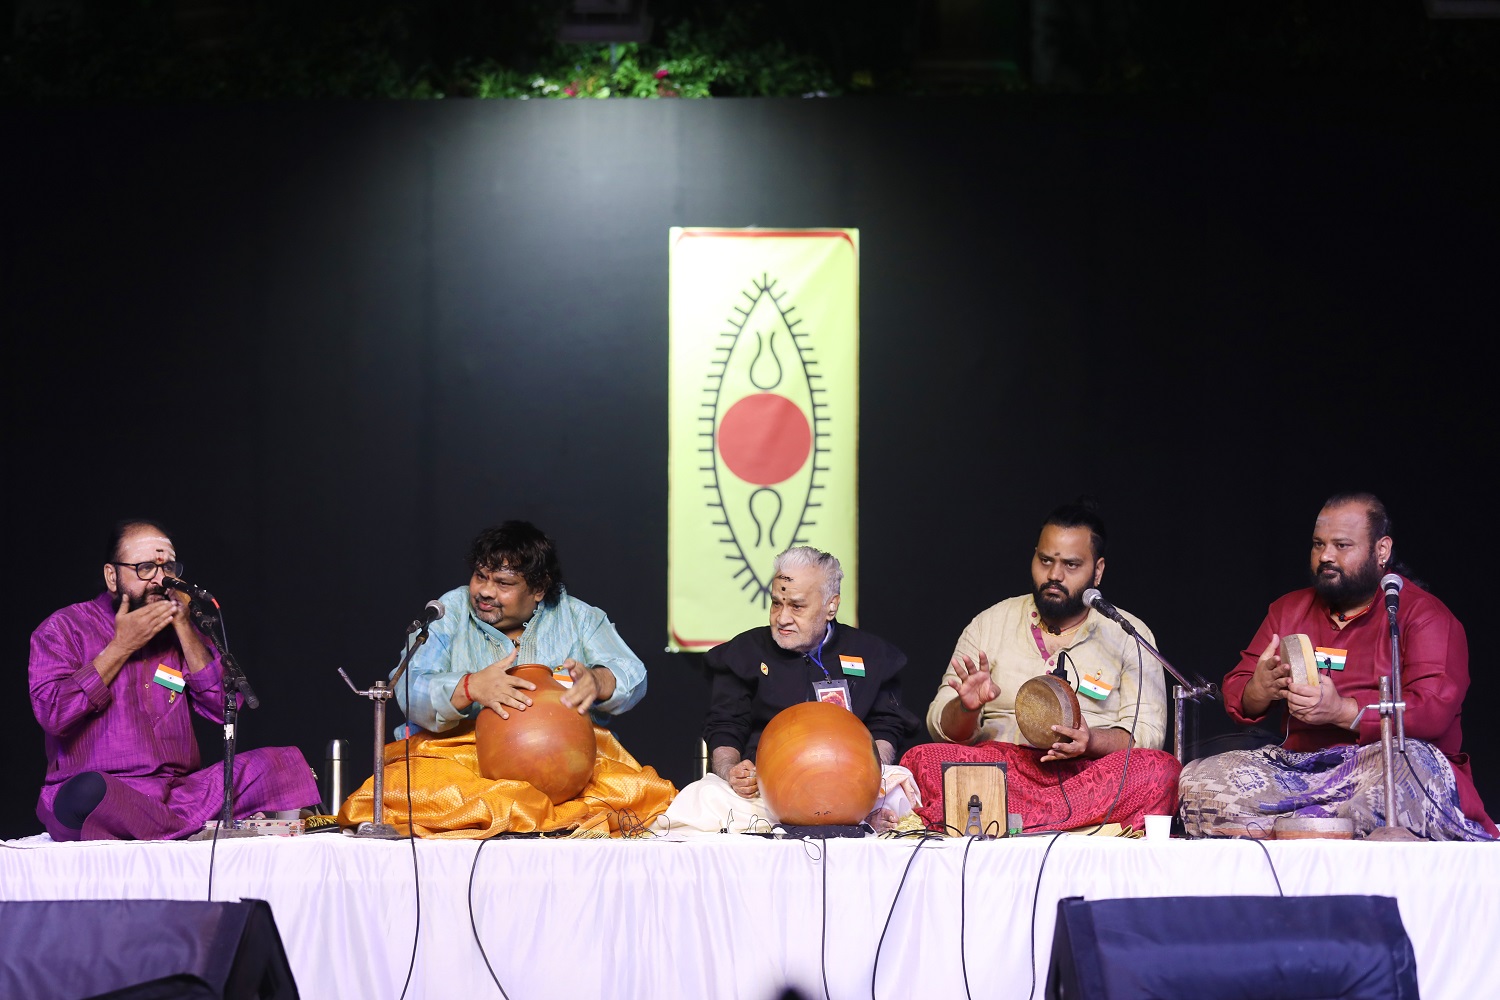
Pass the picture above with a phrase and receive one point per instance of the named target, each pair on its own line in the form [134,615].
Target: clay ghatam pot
[549,745]
[817,766]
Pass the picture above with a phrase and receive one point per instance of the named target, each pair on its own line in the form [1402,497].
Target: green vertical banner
[763,413]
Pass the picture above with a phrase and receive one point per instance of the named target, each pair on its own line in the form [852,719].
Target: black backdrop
[327,343]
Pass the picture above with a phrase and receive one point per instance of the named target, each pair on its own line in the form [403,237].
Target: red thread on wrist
[466,689]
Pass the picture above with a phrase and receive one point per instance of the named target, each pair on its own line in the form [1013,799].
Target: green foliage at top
[149,50]
[401,49]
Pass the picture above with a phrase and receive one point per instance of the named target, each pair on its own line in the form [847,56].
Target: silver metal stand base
[378,831]
[1397,834]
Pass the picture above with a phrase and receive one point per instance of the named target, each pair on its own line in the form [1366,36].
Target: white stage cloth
[741,916]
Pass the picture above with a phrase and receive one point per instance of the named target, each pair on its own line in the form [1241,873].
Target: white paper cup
[1158,828]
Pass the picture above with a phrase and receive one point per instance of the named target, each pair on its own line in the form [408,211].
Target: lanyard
[816,654]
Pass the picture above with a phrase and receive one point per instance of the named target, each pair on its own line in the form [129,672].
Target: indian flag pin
[169,678]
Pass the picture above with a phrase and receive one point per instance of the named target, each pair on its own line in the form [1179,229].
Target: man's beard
[136,604]
[1055,608]
[1348,589]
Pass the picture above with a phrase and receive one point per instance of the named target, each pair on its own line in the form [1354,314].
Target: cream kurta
[1099,648]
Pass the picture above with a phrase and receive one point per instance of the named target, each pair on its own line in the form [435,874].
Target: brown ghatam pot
[817,766]
[549,745]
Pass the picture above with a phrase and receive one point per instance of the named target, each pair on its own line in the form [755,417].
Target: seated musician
[514,610]
[1330,763]
[1108,769]
[114,684]
[804,654]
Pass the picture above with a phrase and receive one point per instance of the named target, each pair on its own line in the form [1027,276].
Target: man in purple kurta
[111,684]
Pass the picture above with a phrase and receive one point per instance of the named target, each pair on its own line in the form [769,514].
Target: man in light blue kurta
[514,611]
[460,643]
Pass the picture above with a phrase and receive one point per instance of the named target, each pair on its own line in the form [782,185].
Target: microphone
[431,612]
[1095,600]
[1391,583]
[194,591]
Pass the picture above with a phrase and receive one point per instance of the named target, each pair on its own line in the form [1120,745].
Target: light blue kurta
[460,644]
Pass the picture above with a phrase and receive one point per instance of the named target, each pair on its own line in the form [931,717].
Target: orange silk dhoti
[450,799]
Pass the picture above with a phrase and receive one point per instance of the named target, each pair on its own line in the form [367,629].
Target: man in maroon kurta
[1348,626]
[111,681]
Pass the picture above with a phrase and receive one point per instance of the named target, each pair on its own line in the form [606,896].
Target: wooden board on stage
[1044,702]
[984,782]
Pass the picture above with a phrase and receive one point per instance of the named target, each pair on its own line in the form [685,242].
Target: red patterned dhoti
[1060,794]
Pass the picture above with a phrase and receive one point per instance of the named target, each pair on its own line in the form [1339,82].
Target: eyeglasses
[147,570]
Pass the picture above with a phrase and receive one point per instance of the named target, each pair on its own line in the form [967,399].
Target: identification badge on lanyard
[834,691]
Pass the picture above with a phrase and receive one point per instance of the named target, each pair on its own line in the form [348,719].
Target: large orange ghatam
[549,745]
[817,766]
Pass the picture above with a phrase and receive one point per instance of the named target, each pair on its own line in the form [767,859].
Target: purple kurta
[140,737]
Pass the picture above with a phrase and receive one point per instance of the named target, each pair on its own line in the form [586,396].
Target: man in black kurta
[804,654]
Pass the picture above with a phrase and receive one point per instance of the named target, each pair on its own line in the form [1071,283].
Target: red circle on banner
[764,438]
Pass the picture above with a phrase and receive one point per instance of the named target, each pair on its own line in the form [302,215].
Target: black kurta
[753,679]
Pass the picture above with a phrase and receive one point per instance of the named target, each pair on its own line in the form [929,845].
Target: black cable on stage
[963,959]
[1036,893]
[212,850]
[213,847]
[1271,864]
[821,855]
[411,831]
[875,971]
[475,927]
[1140,682]
[1140,674]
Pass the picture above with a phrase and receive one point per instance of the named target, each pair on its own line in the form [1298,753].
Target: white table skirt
[743,917]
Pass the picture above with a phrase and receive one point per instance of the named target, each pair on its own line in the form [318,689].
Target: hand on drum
[743,780]
[975,687]
[494,688]
[586,689]
[1272,678]
[1071,743]
[1317,706]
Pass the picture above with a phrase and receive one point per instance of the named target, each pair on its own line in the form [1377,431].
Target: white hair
[807,557]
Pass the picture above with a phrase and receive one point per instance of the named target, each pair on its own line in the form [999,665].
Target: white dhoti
[709,805]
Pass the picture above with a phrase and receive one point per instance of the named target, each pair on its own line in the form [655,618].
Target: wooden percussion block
[961,781]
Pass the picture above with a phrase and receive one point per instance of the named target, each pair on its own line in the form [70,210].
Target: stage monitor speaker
[1232,948]
[142,949]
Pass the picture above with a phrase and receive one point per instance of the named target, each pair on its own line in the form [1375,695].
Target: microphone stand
[1391,707]
[379,693]
[234,683]
[1183,691]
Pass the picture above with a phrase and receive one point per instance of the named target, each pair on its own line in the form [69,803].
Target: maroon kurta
[1434,675]
[140,737]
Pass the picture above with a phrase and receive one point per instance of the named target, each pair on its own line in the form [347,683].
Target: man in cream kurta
[1098,649]
[1110,769]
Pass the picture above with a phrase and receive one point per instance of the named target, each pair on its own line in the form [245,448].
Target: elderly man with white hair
[805,654]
